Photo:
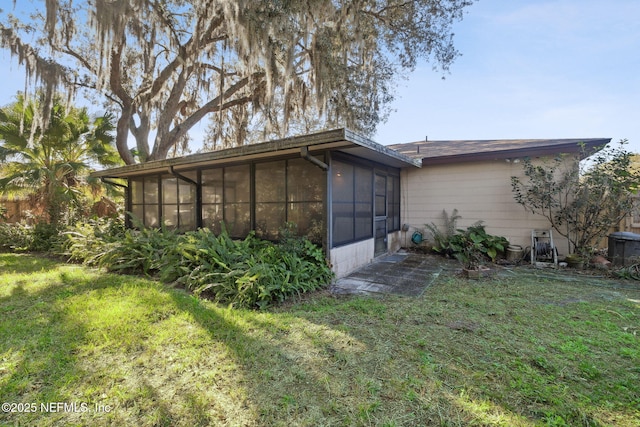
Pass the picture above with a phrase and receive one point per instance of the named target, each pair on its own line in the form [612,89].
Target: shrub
[42,237]
[15,237]
[45,238]
[441,237]
[138,251]
[86,241]
[244,273]
[471,246]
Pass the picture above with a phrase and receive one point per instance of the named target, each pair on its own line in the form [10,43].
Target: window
[178,203]
[342,203]
[271,191]
[359,196]
[381,195]
[352,202]
[306,188]
[212,187]
[284,191]
[237,198]
[363,224]
[144,201]
[289,191]
[393,203]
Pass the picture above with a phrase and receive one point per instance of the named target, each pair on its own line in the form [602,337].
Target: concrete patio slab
[401,273]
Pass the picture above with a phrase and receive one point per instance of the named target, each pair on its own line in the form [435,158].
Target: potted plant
[472,247]
[575,261]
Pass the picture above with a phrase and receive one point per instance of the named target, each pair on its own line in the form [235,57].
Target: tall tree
[167,64]
[52,164]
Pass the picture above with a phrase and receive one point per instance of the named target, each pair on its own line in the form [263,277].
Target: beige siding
[479,190]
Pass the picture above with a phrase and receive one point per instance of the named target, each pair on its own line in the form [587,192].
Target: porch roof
[342,140]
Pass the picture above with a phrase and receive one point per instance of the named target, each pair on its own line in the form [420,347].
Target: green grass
[519,351]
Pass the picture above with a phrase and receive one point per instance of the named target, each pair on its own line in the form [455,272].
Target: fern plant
[441,238]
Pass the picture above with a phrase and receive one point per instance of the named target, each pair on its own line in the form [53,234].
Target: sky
[529,69]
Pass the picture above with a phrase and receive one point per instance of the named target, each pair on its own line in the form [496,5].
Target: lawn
[81,347]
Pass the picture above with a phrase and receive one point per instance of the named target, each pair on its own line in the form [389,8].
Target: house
[474,177]
[343,191]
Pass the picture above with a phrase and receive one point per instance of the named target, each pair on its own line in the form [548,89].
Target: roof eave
[591,146]
[336,139]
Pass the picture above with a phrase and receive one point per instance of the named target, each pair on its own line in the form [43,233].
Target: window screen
[271,190]
[393,203]
[352,202]
[144,201]
[212,188]
[237,197]
[178,203]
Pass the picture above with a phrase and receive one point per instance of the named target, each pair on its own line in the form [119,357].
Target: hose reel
[543,251]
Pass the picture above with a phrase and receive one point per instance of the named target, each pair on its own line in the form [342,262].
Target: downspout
[304,153]
[182,177]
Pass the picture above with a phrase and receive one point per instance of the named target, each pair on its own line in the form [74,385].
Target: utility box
[624,247]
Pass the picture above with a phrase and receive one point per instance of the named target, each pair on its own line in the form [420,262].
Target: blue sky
[529,69]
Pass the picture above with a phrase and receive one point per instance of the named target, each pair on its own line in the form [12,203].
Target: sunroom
[339,189]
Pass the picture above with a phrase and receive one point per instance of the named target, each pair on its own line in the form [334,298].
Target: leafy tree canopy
[164,65]
[582,202]
[51,165]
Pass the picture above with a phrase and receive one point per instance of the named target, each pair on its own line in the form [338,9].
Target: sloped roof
[440,152]
[343,140]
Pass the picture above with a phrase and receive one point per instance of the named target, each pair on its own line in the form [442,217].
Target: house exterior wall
[480,191]
[346,259]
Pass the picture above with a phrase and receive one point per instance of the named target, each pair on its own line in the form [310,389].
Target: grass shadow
[157,355]
[511,351]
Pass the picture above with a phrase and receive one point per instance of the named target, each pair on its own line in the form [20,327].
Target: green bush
[42,237]
[471,246]
[45,238]
[86,241]
[138,251]
[15,237]
[441,237]
[244,273]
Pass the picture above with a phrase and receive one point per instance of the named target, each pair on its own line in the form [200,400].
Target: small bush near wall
[470,246]
[15,237]
[19,237]
[244,273]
